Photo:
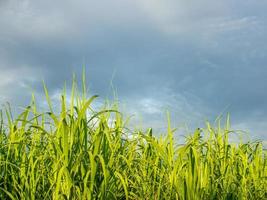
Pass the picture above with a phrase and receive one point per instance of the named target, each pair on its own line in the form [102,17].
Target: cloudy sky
[197,59]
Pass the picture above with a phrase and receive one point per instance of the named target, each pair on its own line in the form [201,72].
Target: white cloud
[22,20]
[150,109]
[63,20]
[16,83]
[150,106]
[178,17]
[255,130]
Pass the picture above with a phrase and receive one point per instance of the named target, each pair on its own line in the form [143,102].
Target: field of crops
[81,153]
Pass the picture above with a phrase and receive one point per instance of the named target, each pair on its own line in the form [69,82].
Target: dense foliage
[80,153]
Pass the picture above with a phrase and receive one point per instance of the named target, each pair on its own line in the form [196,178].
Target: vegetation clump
[80,153]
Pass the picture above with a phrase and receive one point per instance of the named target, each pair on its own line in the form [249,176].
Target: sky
[197,59]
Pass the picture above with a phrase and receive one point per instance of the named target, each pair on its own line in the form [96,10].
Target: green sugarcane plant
[82,153]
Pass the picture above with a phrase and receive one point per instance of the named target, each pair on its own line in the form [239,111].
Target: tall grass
[80,153]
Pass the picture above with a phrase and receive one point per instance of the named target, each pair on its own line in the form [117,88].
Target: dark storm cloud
[196,59]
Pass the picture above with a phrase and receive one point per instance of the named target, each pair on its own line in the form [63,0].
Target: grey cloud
[207,55]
